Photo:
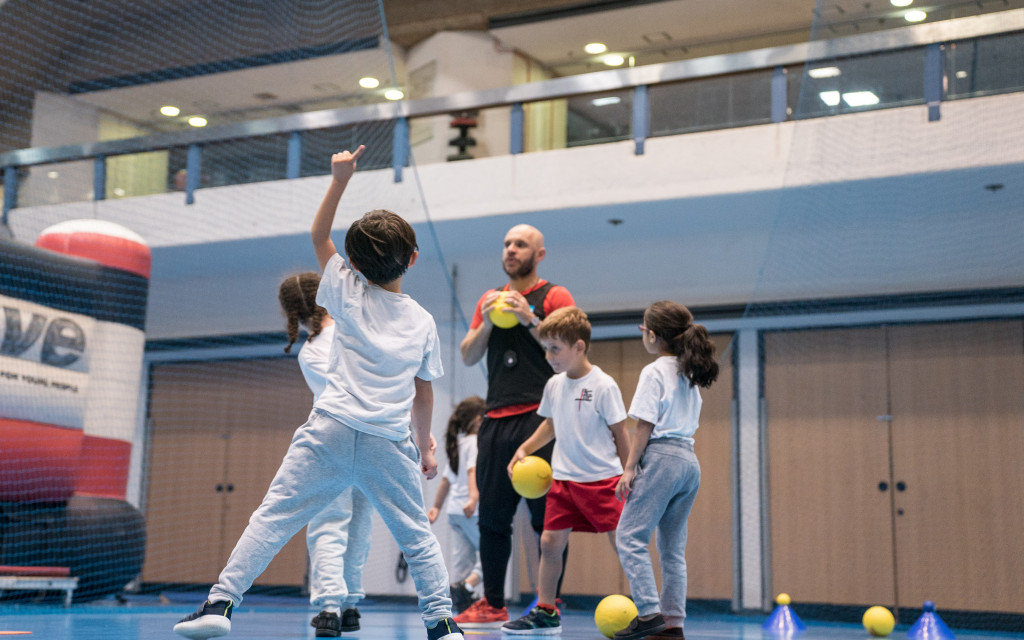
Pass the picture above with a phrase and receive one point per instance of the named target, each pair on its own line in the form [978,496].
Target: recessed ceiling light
[169,110]
[595,47]
[197,121]
[52,175]
[369,83]
[613,60]
[860,98]
[831,98]
[394,94]
[600,102]
[824,72]
[901,3]
[915,15]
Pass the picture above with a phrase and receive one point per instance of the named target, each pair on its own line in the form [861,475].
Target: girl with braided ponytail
[338,538]
[662,474]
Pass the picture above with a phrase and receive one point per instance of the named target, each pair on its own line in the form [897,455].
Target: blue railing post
[778,93]
[99,178]
[293,166]
[193,167]
[400,147]
[516,121]
[10,190]
[933,80]
[641,117]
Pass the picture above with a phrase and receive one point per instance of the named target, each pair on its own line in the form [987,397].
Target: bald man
[516,374]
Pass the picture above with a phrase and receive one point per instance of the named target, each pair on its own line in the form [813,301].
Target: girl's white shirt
[666,400]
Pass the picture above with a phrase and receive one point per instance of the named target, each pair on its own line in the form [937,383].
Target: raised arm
[474,345]
[343,165]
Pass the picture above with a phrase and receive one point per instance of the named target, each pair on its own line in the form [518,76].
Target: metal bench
[38,579]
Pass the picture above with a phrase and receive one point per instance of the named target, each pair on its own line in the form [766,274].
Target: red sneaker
[481,615]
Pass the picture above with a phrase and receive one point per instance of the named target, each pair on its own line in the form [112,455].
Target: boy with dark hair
[585,416]
[385,353]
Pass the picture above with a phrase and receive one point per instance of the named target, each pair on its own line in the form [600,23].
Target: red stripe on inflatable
[42,572]
[111,251]
[104,469]
[39,461]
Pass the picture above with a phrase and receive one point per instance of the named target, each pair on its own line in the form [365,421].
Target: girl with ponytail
[662,474]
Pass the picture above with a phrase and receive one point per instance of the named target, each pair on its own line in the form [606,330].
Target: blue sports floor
[287,619]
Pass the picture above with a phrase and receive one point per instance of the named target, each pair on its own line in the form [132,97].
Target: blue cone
[930,626]
[783,622]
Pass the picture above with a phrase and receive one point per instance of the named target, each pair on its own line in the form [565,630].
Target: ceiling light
[169,110]
[600,102]
[394,94]
[961,74]
[901,3]
[915,15]
[824,72]
[52,175]
[860,98]
[197,121]
[595,47]
[369,83]
[613,60]
[831,98]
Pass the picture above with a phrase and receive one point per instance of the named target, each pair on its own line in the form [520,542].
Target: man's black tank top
[516,368]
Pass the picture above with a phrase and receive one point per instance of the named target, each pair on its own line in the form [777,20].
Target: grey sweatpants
[324,458]
[663,492]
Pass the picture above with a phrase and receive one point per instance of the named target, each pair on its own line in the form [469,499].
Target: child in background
[338,538]
[584,414]
[459,478]
[662,474]
[370,428]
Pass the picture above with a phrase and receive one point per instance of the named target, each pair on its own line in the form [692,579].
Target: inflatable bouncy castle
[71,352]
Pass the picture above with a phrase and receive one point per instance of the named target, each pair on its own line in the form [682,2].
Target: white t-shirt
[666,400]
[581,410]
[313,360]
[458,491]
[382,340]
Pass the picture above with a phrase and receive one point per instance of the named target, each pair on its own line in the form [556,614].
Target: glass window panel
[598,118]
[319,144]
[985,66]
[139,174]
[55,183]
[720,102]
[244,161]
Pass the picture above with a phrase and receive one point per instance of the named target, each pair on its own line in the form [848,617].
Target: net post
[400,147]
[516,121]
[641,117]
[10,190]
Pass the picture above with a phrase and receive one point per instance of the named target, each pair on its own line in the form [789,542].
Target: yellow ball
[614,613]
[500,318]
[783,599]
[878,621]
[531,477]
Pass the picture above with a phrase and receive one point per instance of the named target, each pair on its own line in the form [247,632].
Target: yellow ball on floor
[502,319]
[531,477]
[878,621]
[614,613]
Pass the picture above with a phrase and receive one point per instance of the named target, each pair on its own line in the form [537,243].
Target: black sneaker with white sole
[641,628]
[445,629]
[213,619]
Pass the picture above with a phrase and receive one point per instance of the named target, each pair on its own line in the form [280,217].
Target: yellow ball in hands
[878,621]
[503,319]
[614,613]
[531,477]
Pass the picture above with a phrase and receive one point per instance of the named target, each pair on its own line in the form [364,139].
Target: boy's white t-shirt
[666,400]
[458,491]
[382,340]
[581,410]
[314,357]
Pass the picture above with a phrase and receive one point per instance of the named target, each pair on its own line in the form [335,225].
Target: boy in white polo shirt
[370,427]
[585,416]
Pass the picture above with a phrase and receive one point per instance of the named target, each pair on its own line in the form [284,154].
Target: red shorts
[582,506]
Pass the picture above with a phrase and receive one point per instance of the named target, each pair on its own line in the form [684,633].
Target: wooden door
[219,432]
[828,462]
[958,443]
